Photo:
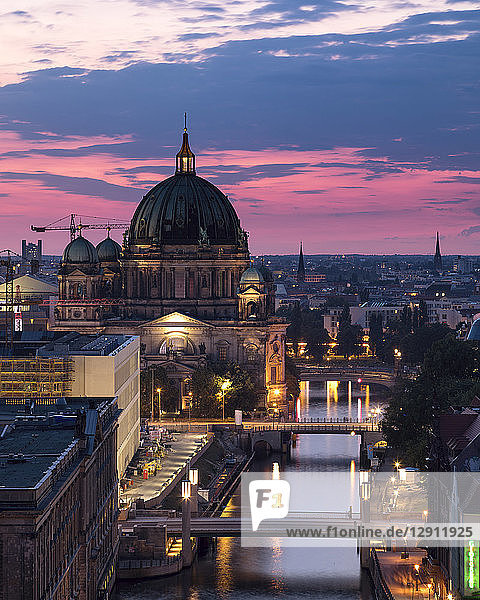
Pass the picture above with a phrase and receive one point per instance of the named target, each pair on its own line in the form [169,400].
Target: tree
[349,335]
[415,345]
[449,376]
[375,334]
[307,326]
[292,379]
[151,379]
[317,342]
[407,318]
[207,393]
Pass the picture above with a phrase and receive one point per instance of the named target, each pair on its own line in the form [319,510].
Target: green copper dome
[185,209]
[108,250]
[252,275]
[80,251]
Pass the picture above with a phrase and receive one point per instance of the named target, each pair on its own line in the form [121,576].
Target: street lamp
[429,586]
[190,395]
[225,385]
[193,476]
[417,569]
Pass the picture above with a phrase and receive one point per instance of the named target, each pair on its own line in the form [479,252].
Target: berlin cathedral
[183,281]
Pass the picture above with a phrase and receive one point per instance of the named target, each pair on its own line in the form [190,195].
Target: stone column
[172,283]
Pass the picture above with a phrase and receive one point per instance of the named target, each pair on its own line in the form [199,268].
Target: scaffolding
[35,377]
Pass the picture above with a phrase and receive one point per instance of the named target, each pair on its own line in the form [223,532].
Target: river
[231,572]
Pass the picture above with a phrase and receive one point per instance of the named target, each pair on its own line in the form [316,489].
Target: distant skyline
[353,127]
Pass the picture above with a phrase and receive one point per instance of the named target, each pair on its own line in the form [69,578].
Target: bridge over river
[383,377]
[232,526]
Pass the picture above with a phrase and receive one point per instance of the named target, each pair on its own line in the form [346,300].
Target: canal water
[231,572]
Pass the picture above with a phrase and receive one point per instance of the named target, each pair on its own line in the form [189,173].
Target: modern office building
[102,366]
[79,366]
[31,251]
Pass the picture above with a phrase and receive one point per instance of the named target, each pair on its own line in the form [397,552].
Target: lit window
[273,375]
[222,353]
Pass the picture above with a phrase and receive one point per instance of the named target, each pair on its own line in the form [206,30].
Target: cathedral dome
[108,250]
[80,251]
[185,209]
[252,275]
[474,333]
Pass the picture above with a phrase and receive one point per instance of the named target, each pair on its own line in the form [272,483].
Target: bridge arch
[261,446]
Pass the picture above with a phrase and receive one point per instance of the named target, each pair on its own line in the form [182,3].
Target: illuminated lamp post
[276,393]
[159,391]
[193,477]
[190,396]
[186,522]
[397,357]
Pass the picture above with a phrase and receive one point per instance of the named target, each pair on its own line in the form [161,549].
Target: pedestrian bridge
[276,436]
[232,526]
[331,426]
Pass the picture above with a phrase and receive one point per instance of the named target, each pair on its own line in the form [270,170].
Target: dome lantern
[185,157]
[186,209]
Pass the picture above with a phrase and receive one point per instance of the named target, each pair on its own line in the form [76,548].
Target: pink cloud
[348,204]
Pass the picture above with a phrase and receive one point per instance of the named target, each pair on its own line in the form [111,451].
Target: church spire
[437,259]
[185,157]
[301,266]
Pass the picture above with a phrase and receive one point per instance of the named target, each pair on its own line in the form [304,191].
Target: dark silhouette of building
[301,266]
[31,251]
[437,259]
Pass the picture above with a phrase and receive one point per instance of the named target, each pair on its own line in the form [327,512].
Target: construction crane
[75,225]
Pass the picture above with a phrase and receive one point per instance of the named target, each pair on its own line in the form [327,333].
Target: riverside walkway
[184,451]
[398,575]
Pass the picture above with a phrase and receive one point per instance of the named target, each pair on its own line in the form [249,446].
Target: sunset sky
[351,125]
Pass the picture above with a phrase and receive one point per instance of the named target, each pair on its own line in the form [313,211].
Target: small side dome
[252,275]
[474,333]
[108,250]
[80,251]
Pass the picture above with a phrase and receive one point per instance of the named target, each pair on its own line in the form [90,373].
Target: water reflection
[231,572]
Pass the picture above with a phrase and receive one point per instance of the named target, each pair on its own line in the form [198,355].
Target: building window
[273,374]
[222,353]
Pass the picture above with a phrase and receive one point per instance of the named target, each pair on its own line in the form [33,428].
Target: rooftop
[27,452]
[31,409]
[78,344]
[38,440]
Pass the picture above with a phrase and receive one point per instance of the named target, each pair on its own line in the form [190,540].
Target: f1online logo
[269,499]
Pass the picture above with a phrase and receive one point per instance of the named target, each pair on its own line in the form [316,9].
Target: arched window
[251,353]
[251,310]
[177,344]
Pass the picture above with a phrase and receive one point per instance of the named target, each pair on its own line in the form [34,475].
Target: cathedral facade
[183,282]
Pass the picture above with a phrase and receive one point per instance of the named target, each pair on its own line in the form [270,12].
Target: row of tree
[206,390]
[448,377]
